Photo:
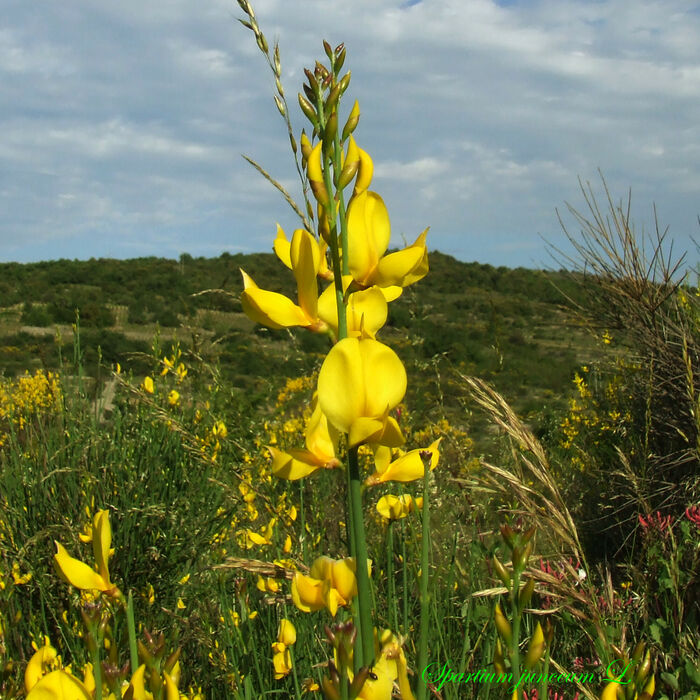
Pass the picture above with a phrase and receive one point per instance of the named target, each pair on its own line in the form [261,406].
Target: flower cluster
[345,279]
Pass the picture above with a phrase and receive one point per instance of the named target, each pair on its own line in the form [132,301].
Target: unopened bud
[502,572]
[508,536]
[525,595]
[330,131]
[535,649]
[310,94]
[306,148]
[339,57]
[498,660]
[643,670]
[332,99]
[353,119]
[344,82]
[348,173]
[327,48]
[502,625]
[308,110]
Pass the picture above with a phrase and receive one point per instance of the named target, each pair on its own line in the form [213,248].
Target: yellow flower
[369,233]
[80,575]
[278,311]
[360,381]
[408,467]
[366,310]
[397,507]
[147,385]
[20,579]
[286,634]
[173,398]
[43,660]
[321,444]
[59,685]
[331,584]
[281,660]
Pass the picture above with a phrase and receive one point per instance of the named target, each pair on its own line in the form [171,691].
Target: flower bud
[313,83]
[310,94]
[502,572]
[348,173]
[525,595]
[508,536]
[536,648]
[638,651]
[502,625]
[308,110]
[324,229]
[306,148]
[498,660]
[344,82]
[330,131]
[339,57]
[649,688]
[332,99]
[327,48]
[353,119]
[315,173]
[643,670]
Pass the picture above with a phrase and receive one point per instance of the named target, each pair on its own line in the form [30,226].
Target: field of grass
[206,540]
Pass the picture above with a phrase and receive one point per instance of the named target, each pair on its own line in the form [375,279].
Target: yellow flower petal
[360,378]
[408,467]
[307,593]
[77,573]
[59,685]
[364,172]
[305,257]
[101,543]
[293,465]
[369,232]
[367,308]
[38,665]
[381,686]
[403,267]
[286,634]
[137,683]
[171,691]
[269,308]
[281,247]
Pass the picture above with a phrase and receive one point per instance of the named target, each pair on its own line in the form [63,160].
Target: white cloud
[124,124]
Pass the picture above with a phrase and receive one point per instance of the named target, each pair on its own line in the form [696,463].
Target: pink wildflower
[693,514]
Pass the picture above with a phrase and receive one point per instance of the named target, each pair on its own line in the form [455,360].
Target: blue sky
[122,124]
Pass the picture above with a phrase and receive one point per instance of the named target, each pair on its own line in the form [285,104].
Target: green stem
[404,578]
[424,566]
[366,630]
[391,602]
[96,664]
[131,628]
[515,642]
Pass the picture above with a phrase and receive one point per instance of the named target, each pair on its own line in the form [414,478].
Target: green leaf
[670,680]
